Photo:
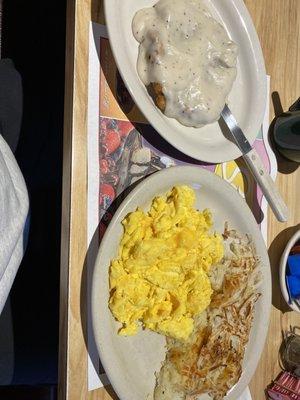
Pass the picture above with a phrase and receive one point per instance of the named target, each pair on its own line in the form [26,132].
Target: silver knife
[256,166]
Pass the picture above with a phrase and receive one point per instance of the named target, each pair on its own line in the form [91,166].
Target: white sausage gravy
[185,50]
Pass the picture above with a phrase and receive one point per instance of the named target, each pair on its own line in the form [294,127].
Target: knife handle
[267,185]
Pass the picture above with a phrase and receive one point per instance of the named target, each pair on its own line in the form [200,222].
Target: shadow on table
[85,311]
[275,251]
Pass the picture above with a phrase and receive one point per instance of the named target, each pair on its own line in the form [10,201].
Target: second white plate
[130,362]
[247,99]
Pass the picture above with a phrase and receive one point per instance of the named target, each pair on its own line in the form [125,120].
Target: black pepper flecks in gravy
[190,54]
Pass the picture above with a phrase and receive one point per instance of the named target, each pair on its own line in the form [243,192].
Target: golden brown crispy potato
[155,90]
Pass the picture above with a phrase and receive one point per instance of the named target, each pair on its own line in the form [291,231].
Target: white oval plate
[130,362]
[247,99]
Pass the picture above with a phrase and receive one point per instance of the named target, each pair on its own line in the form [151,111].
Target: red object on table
[285,387]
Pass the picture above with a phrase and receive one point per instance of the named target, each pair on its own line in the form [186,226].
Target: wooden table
[278,26]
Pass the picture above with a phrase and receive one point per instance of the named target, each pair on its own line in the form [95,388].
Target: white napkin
[246,395]
[14,206]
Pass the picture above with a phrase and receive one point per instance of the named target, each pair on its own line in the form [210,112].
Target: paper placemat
[123,148]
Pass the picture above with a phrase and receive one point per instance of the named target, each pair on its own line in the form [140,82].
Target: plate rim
[234,151]
[267,297]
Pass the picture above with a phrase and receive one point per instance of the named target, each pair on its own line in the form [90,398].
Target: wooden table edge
[66,201]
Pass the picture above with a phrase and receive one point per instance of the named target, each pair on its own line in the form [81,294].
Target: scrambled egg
[160,277]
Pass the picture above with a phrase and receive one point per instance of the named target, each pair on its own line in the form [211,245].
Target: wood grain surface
[278,26]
